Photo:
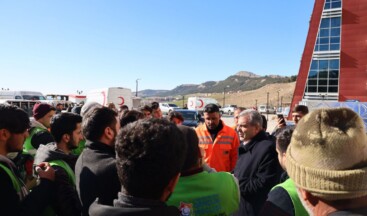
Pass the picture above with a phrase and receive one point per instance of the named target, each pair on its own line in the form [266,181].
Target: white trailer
[198,103]
[117,95]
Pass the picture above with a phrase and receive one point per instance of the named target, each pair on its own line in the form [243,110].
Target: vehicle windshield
[33,97]
[189,116]
[172,105]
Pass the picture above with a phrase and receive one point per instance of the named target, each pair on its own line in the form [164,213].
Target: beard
[72,145]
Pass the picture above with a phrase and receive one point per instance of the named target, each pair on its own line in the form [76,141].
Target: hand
[44,170]
[281,123]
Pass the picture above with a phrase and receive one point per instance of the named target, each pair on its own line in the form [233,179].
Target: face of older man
[247,131]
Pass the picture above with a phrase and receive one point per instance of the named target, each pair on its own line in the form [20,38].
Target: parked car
[192,118]
[228,109]
[263,109]
[168,107]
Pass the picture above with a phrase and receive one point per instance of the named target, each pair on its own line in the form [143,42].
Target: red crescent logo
[104,97]
[122,100]
[202,103]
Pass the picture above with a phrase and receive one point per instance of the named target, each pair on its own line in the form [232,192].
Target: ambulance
[117,95]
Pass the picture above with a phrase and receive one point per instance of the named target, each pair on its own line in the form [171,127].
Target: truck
[198,103]
[116,95]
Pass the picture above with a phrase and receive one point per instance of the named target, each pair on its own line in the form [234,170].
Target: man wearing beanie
[327,160]
[38,134]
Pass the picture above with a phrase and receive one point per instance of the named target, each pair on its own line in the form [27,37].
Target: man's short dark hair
[146,108]
[175,114]
[211,108]
[265,122]
[193,150]
[14,119]
[155,105]
[95,122]
[300,108]
[149,154]
[64,123]
[130,116]
[284,138]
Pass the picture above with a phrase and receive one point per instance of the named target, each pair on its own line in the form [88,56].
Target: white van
[198,103]
[22,95]
[117,95]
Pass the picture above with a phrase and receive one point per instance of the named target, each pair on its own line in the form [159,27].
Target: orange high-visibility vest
[222,153]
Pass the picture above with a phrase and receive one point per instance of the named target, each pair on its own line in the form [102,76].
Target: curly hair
[149,153]
[284,138]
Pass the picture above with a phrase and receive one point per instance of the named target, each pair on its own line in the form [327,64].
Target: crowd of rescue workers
[96,160]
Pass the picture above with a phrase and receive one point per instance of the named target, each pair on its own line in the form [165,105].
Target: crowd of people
[99,161]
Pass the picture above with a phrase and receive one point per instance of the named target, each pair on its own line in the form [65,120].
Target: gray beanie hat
[327,154]
[88,107]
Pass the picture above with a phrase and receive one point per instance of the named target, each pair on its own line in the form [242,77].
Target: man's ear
[66,138]
[4,134]
[310,199]
[109,133]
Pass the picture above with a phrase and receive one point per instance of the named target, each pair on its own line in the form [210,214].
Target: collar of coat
[259,137]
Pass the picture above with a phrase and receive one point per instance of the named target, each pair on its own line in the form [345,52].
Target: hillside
[239,82]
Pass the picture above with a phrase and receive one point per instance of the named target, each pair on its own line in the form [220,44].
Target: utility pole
[137,84]
[267,106]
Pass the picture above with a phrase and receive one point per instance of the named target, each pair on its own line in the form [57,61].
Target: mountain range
[241,81]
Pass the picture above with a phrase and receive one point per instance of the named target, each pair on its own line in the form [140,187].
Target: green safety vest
[66,167]
[49,211]
[291,189]
[28,147]
[206,194]
[18,185]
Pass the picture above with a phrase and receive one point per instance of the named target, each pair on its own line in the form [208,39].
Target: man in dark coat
[150,155]
[95,170]
[257,167]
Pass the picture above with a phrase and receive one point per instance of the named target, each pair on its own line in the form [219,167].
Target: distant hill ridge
[241,81]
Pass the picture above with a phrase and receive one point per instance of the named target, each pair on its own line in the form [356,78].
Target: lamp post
[267,106]
[137,84]
[183,101]
[224,94]
[256,104]
[278,102]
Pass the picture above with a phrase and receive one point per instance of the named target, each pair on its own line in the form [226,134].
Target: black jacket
[96,175]
[34,203]
[66,199]
[132,206]
[257,171]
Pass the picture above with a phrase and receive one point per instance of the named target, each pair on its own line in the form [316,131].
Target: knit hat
[327,154]
[88,107]
[41,109]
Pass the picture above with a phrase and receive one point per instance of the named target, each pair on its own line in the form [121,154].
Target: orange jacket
[222,153]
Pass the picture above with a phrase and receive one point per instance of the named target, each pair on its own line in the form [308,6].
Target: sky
[78,45]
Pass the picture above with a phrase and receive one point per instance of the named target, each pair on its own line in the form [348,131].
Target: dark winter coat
[96,175]
[132,206]
[66,198]
[257,171]
[12,203]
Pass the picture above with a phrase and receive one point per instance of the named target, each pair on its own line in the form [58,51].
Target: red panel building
[334,61]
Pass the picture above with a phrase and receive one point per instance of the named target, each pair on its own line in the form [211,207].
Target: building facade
[334,61]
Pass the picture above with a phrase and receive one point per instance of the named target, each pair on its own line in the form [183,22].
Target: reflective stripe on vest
[291,189]
[66,167]
[28,147]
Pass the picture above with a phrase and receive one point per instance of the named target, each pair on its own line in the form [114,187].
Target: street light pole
[224,94]
[267,106]
[278,101]
[137,84]
[256,104]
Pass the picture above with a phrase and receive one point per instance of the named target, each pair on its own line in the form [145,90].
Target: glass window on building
[323,76]
[331,4]
[328,38]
